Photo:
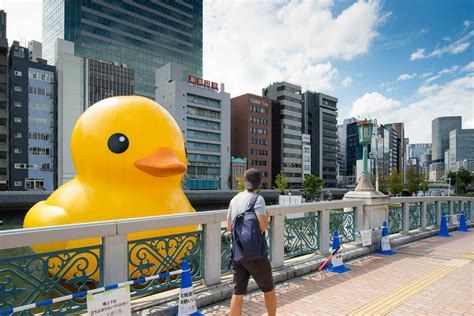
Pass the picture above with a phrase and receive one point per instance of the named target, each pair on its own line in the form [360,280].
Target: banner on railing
[114,302]
[366,236]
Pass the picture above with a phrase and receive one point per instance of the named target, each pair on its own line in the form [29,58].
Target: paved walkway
[434,276]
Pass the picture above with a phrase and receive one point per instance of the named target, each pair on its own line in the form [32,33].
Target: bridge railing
[294,230]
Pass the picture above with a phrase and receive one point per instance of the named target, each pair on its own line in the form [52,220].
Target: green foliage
[423,183]
[413,180]
[383,185]
[461,180]
[281,182]
[395,182]
[312,186]
[240,183]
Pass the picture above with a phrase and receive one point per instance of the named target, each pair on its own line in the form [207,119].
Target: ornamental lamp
[365,131]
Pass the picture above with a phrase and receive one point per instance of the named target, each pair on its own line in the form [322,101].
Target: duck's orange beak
[162,163]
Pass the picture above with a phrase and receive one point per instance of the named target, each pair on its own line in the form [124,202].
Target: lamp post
[365,135]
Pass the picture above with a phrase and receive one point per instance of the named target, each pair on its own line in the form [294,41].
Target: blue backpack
[248,242]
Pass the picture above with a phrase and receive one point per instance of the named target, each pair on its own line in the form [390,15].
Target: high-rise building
[398,137]
[418,155]
[3,102]
[32,112]
[289,114]
[251,131]
[440,128]
[320,117]
[461,147]
[202,110]
[144,35]
[306,140]
[82,82]
[353,147]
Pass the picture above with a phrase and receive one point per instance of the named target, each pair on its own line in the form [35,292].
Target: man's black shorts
[260,270]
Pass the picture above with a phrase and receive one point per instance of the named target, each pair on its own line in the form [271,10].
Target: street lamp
[365,128]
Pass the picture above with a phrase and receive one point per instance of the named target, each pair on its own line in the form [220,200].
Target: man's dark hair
[252,179]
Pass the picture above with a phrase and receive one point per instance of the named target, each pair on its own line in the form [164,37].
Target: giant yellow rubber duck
[130,158]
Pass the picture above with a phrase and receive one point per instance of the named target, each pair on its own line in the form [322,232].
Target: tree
[413,180]
[423,183]
[461,180]
[240,183]
[312,186]
[281,182]
[395,182]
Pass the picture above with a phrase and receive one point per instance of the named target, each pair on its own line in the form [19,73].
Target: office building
[3,102]
[251,130]
[35,50]
[440,128]
[306,141]
[437,171]
[461,147]
[320,117]
[82,82]
[32,112]
[202,110]
[420,156]
[398,144]
[287,154]
[237,167]
[144,35]
[353,147]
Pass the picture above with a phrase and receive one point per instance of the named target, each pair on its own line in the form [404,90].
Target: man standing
[260,269]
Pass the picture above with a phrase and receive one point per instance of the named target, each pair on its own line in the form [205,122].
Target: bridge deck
[434,276]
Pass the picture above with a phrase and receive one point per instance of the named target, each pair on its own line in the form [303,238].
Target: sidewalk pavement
[433,276]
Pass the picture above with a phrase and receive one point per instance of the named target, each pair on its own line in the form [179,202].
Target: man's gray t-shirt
[241,202]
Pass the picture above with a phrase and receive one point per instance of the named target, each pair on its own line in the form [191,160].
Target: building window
[17,88]
[46,166]
[17,119]
[25,166]
[18,183]
[17,104]
[17,150]
[17,135]
[39,151]
[17,73]
[34,184]
[19,52]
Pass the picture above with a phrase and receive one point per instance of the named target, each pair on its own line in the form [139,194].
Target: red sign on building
[201,82]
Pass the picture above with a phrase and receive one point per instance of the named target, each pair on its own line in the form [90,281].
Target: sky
[395,61]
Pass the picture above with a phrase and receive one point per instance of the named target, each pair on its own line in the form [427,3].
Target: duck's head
[128,140]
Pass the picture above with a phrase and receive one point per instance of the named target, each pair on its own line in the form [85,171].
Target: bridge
[299,239]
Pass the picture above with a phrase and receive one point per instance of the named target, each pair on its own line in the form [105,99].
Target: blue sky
[404,60]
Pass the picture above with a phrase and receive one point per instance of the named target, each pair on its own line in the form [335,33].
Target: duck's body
[130,159]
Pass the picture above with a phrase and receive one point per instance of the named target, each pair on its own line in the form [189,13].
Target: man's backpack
[248,242]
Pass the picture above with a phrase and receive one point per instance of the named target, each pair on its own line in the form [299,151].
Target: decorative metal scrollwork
[395,218]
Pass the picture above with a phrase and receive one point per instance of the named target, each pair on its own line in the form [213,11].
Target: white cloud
[23,26]
[405,77]
[347,82]
[418,54]
[445,71]
[437,101]
[469,67]
[260,42]
[426,75]
[427,89]
[371,104]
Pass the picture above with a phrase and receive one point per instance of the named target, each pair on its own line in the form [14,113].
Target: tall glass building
[143,34]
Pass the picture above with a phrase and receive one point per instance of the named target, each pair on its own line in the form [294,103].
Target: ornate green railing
[344,223]
[301,235]
[415,215]
[467,209]
[165,253]
[431,214]
[456,207]
[395,218]
[37,277]
[444,208]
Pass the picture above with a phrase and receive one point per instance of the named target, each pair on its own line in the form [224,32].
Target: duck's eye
[118,143]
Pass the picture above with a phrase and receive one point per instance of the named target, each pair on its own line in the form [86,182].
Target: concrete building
[82,82]
[306,141]
[437,171]
[32,112]
[202,110]
[466,165]
[288,115]
[440,128]
[251,131]
[237,169]
[35,50]
[144,35]
[320,122]
[461,147]
[3,102]
[420,156]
